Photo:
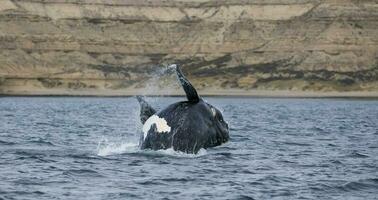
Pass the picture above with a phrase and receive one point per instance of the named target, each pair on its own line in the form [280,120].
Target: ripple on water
[7,143]
[40,142]
[356,154]
[360,185]
[82,172]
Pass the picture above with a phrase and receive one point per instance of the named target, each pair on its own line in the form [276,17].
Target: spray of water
[106,148]
[161,82]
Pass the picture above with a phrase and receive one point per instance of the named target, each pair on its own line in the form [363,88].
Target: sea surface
[86,148]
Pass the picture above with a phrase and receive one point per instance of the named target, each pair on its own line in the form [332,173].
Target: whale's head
[217,126]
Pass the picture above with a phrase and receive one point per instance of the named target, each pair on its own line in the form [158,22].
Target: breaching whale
[185,126]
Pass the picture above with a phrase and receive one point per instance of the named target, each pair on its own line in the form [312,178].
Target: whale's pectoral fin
[190,91]
[146,111]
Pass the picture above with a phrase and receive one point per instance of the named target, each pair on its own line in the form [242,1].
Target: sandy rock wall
[51,46]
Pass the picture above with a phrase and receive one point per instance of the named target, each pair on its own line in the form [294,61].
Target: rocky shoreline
[206,93]
[52,46]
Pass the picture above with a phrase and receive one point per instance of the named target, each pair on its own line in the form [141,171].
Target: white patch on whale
[213,111]
[161,125]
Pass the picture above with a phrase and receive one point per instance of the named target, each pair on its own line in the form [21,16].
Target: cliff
[114,46]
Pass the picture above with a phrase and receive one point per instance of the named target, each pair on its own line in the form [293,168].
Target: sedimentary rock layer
[55,46]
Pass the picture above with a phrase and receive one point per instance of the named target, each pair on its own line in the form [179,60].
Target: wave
[369,184]
[6,143]
[297,144]
[84,156]
[356,154]
[41,141]
[363,184]
[82,172]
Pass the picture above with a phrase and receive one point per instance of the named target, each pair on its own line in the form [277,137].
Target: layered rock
[65,46]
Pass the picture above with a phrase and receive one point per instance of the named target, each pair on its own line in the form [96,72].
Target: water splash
[106,148]
[162,81]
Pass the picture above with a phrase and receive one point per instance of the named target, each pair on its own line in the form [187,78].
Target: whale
[185,126]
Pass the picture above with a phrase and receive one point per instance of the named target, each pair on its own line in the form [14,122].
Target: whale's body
[185,126]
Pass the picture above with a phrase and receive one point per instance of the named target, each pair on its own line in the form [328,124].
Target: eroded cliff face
[55,46]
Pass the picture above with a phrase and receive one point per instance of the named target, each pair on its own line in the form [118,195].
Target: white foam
[106,148]
[114,148]
[161,125]
[172,152]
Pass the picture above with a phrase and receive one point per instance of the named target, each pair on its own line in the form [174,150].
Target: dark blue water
[85,148]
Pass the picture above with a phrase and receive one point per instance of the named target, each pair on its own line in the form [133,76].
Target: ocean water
[86,148]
